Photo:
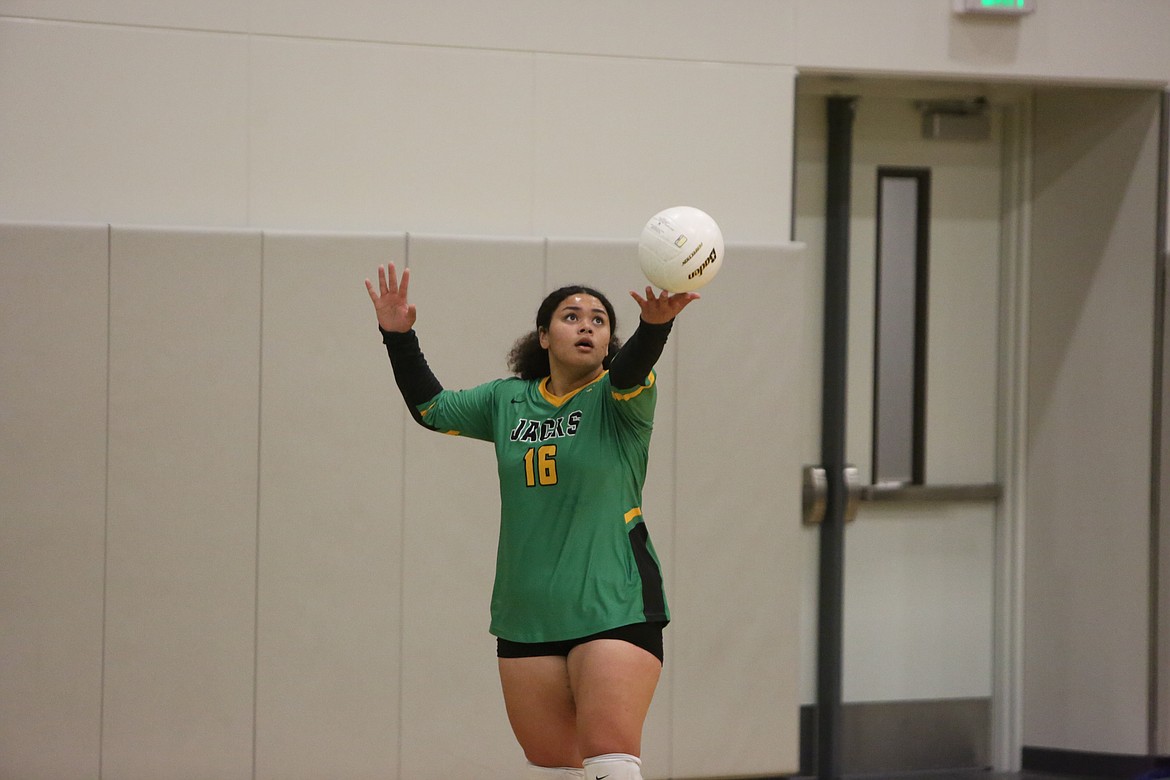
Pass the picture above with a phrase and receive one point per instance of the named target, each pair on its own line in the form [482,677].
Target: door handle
[814,490]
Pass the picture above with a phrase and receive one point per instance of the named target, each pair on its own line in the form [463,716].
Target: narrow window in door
[899,387]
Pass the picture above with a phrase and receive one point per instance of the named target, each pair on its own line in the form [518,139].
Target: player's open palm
[395,312]
[664,307]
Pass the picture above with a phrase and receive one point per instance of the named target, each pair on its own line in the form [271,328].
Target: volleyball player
[578,606]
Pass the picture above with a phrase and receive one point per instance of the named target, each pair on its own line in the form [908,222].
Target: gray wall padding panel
[330,521]
[745,354]
[53,348]
[181,523]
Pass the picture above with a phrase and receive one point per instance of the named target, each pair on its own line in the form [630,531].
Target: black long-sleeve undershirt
[633,362]
[414,377]
[418,384]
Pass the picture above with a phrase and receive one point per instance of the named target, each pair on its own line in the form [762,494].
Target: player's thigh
[613,684]
[540,708]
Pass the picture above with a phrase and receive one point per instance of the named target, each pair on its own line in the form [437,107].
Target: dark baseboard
[1077,762]
[949,734]
[905,736]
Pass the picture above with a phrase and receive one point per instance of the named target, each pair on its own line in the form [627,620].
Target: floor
[969,774]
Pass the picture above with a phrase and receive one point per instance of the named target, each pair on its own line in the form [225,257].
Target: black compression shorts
[647,636]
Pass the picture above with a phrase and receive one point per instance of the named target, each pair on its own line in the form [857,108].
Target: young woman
[578,606]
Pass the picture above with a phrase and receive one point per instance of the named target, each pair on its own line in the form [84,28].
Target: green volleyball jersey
[574,557]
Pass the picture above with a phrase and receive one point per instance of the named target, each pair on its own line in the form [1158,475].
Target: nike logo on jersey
[542,430]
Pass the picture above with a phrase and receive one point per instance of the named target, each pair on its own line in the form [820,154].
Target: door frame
[1014,101]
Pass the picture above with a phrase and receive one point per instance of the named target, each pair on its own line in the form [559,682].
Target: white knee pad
[534,772]
[613,766]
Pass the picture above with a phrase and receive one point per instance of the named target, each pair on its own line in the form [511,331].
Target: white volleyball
[681,249]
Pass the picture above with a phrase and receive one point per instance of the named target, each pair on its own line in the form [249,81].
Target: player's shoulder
[506,383]
[510,387]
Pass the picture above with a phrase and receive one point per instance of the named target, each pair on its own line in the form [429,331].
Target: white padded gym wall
[53,360]
[330,559]
[744,363]
[181,509]
[289,577]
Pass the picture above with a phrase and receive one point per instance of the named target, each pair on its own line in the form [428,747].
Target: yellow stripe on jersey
[633,393]
[559,400]
[633,513]
[425,412]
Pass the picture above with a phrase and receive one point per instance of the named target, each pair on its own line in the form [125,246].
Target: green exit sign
[997,7]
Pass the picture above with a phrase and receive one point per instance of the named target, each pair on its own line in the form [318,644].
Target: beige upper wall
[756,31]
[546,118]
[1079,40]
[1093,41]
[133,125]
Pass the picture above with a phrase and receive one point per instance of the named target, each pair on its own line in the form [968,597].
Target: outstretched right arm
[396,317]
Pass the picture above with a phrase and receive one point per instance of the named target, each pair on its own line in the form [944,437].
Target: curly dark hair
[528,360]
